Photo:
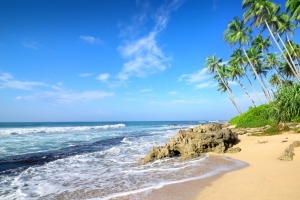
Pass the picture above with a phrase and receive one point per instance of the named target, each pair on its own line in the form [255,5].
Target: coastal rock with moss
[193,142]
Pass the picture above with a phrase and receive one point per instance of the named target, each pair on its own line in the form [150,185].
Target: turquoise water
[87,160]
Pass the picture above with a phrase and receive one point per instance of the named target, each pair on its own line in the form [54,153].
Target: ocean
[93,160]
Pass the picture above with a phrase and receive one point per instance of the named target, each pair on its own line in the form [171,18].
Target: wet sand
[266,177]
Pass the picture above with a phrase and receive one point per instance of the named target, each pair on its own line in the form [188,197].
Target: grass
[275,129]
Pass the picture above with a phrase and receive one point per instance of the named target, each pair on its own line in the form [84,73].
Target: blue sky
[114,60]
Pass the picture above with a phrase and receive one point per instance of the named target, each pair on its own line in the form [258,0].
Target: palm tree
[264,11]
[294,51]
[237,32]
[271,61]
[263,45]
[213,65]
[286,26]
[293,7]
[235,72]
[255,57]
[275,80]
[223,88]
[238,57]
[286,71]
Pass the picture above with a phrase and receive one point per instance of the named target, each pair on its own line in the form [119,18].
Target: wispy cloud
[91,39]
[143,55]
[31,44]
[68,96]
[208,84]
[103,77]
[146,90]
[214,7]
[18,98]
[53,93]
[202,79]
[172,93]
[8,81]
[201,75]
[232,83]
[85,74]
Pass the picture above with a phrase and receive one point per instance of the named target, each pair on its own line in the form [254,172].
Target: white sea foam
[14,131]
[106,174]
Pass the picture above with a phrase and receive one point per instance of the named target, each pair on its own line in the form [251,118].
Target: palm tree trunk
[288,53]
[253,89]
[233,102]
[297,60]
[295,74]
[245,90]
[261,84]
[264,82]
[232,96]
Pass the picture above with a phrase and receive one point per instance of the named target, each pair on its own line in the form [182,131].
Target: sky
[113,60]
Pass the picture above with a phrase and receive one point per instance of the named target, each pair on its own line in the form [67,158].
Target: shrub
[286,105]
[254,117]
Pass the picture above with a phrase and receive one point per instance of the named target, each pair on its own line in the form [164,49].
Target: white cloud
[143,54]
[90,39]
[103,77]
[146,90]
[172,93]
[31,44]
[18,98]
[85,74]
[208,84]
[196,77]
[69,96]
[232,83]
[214,7]
[8,81]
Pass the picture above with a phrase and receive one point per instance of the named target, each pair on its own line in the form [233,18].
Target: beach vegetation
[255,117]
[275,129]
[263,27]
[286,104]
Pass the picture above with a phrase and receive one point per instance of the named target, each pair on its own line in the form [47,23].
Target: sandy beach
[266,177]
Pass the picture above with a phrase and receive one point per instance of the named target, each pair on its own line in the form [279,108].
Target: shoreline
[266,177]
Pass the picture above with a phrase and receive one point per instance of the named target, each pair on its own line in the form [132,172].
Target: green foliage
[254,117]
[286,105]
[275,129]
[296,119]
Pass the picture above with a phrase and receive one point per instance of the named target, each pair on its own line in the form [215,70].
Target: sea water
[91,160]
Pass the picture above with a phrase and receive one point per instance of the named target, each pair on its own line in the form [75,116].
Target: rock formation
[193,142]
[288,153]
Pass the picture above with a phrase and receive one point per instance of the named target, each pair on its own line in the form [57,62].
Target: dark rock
[193,142]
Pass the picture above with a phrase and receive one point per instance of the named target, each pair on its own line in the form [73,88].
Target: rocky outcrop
[193,142]
[288,153]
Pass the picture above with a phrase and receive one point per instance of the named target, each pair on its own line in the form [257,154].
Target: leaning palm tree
[264,11]
[223,88]
[255,57]
[237,32]
[272,61]
[213,65]
[286,71]
[285,26]
[293,7]
[275,80]
[238,57]
[235,72]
